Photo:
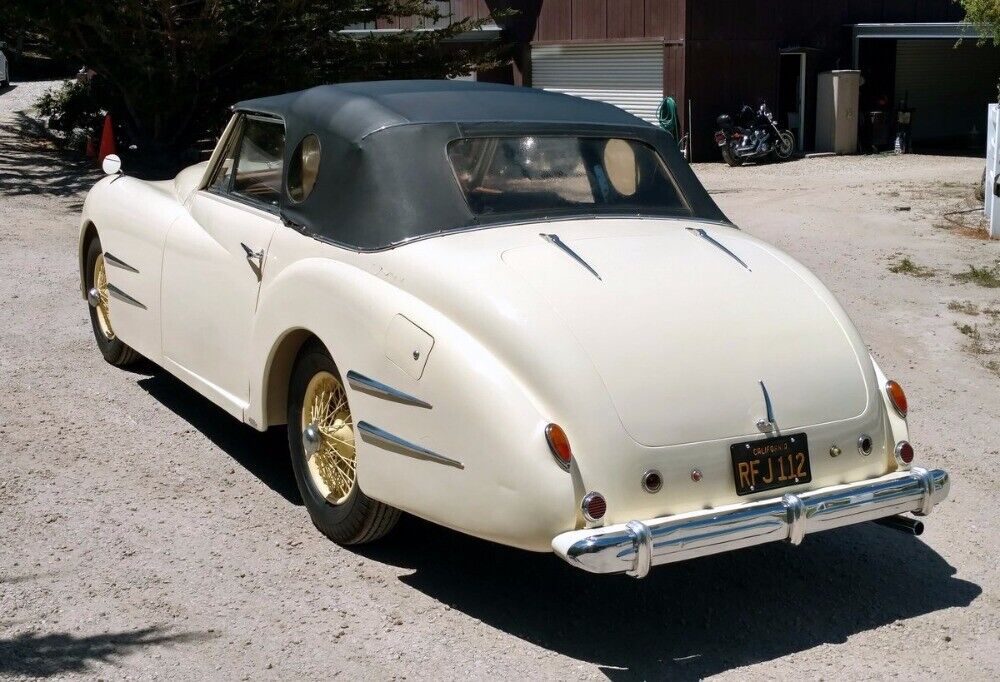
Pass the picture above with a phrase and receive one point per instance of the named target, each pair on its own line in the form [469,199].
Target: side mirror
[112,165]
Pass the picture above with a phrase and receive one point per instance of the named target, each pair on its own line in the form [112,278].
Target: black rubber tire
[730,158]
[359,519]
[115,351]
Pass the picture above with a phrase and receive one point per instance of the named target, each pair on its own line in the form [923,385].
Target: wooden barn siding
[674,81]
[791,20]
[459,9]
[733,51]
[564,20]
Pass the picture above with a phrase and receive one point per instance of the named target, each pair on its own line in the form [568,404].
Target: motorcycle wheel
[785,147]
[730,158]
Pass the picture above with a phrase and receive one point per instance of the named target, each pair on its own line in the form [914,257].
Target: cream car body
[655,342]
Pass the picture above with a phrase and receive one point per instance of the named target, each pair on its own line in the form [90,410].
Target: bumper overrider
[636,546]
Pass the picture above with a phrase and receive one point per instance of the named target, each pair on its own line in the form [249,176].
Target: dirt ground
[145,534]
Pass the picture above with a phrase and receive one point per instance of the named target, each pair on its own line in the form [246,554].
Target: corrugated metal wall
[628,75]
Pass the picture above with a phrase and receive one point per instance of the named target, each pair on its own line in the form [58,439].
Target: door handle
[255,257]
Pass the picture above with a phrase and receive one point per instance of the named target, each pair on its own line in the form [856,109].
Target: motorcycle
[757,138]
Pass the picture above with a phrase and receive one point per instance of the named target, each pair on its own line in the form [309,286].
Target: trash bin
[881,132]
[904,124]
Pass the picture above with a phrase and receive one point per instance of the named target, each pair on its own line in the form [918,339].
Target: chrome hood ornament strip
[770,424]
[707,237]
[118,262]
[554,239]
[362,383]
[115,292]
[388,441]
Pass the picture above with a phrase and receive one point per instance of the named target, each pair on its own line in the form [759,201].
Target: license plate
[768,464]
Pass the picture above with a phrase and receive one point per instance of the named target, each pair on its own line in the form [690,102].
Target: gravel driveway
[144,534]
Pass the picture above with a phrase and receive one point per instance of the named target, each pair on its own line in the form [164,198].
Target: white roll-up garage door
[628,75]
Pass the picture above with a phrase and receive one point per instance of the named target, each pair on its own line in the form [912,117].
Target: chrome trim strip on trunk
[768,408]
[554,239]
[388,441]
[118,262]
[115,292]
[707,237]
[362,383]
[627,548]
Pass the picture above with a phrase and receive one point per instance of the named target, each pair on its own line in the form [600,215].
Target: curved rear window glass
[563,175]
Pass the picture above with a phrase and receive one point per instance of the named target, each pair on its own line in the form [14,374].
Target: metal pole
[690,127]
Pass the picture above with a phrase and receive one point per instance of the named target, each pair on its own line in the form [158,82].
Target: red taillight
[904,452]
[559,444]
[594,506]
[720,137]
[897,397]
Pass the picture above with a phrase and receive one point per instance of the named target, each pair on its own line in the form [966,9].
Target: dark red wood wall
[733,48]
[602,20]
[717,53]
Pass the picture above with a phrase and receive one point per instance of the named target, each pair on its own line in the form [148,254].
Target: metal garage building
[712,56]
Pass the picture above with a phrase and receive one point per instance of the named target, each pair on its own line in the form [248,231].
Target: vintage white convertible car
[514,313]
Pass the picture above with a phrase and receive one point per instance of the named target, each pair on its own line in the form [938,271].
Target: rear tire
[730,158]
[114,350]
[327,478]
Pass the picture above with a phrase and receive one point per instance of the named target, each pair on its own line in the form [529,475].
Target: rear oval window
[303,168]
[619,162]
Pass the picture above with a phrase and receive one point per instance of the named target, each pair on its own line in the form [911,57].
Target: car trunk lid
[687,328]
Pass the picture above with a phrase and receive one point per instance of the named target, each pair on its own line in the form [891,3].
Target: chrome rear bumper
[635,546]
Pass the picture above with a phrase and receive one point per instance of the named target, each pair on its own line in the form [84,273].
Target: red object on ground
[107,140]
[91,147]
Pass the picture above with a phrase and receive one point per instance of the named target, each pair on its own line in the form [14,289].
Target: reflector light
[594,506]
[904,452]
[559,445]
[897,397]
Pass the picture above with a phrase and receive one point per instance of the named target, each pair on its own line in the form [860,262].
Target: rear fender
[506,487]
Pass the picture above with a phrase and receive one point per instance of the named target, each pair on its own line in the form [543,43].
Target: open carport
[939,70]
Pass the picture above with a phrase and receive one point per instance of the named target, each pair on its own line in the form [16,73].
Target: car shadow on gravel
[31,164]
[691,619]
[265,455]
[33,654]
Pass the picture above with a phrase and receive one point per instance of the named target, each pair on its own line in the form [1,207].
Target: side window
[259,162]
[224,172]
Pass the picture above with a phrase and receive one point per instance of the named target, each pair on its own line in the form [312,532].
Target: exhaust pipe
[902,523]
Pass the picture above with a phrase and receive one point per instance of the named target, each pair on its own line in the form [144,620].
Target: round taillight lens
[594,506]
[897,397]
[904,452]
[559,444]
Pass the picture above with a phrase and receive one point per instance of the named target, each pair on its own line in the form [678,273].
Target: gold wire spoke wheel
[103,309]
[332,465]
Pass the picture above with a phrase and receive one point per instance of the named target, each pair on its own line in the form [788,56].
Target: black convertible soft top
[384,175]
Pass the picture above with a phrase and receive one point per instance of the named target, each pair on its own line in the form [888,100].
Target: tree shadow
[686,620]
[32,654]
[265,455]
[31,164]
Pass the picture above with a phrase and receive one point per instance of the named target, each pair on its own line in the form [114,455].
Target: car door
[213,262]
